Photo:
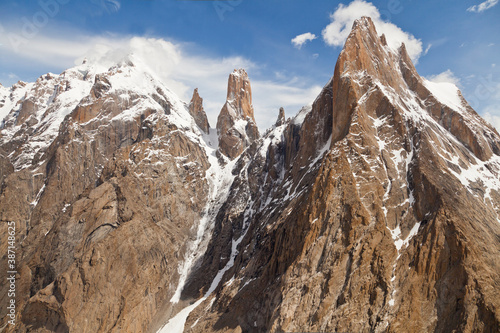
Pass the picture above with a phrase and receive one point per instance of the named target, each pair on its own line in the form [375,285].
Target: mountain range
[375,209]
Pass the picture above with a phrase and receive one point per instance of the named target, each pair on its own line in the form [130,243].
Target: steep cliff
[196,110]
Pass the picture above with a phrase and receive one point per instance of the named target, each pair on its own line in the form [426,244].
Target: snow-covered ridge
[4,98]
[10,97]
[47,102]
[52,97]
[298,119]
[446,93]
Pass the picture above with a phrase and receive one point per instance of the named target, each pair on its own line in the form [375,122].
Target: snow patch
[446,93]
[38,196]
[301,115]
[176,323]
[400,244]
[398,241]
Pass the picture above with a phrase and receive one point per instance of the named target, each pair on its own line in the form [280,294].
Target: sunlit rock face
[236,123]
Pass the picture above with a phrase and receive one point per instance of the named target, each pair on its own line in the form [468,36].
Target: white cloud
[300,40]
[427,49]
[482,6]
[269,96]
[342,19]
[492,115]
[180,66]
[447,76]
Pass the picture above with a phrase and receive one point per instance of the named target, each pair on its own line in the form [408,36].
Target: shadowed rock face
[196,110]
[376,209]
[236,123]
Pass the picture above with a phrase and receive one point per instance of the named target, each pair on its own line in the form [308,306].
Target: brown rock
[98,212]
[321,254]
[196,110]
[236,124]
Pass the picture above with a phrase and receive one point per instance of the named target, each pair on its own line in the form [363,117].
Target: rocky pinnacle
[236,123]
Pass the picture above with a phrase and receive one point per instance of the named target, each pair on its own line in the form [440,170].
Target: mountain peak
[239,93]
[239,72]
[364,30]
[281,117]
[363,23]
[196,110]
[369,69]
[365,50]
[236,123]
[379,197]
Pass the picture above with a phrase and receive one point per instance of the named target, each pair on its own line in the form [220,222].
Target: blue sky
[198,43]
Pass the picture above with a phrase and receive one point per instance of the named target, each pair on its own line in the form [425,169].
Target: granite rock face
[375,209]
[236,123]
[196,110]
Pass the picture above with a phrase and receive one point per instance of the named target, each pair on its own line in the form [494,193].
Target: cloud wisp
[109,6]
[300,40]
[342,20]
[482,6]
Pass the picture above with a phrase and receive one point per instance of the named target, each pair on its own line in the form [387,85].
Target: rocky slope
[375,209]
[104,177]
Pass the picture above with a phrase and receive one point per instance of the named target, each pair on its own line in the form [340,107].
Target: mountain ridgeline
[375,209]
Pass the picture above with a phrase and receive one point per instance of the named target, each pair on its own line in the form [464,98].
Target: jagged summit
[196,110]
[281,117]
[239,95]
[236,125]
[364,51]
[366,62]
